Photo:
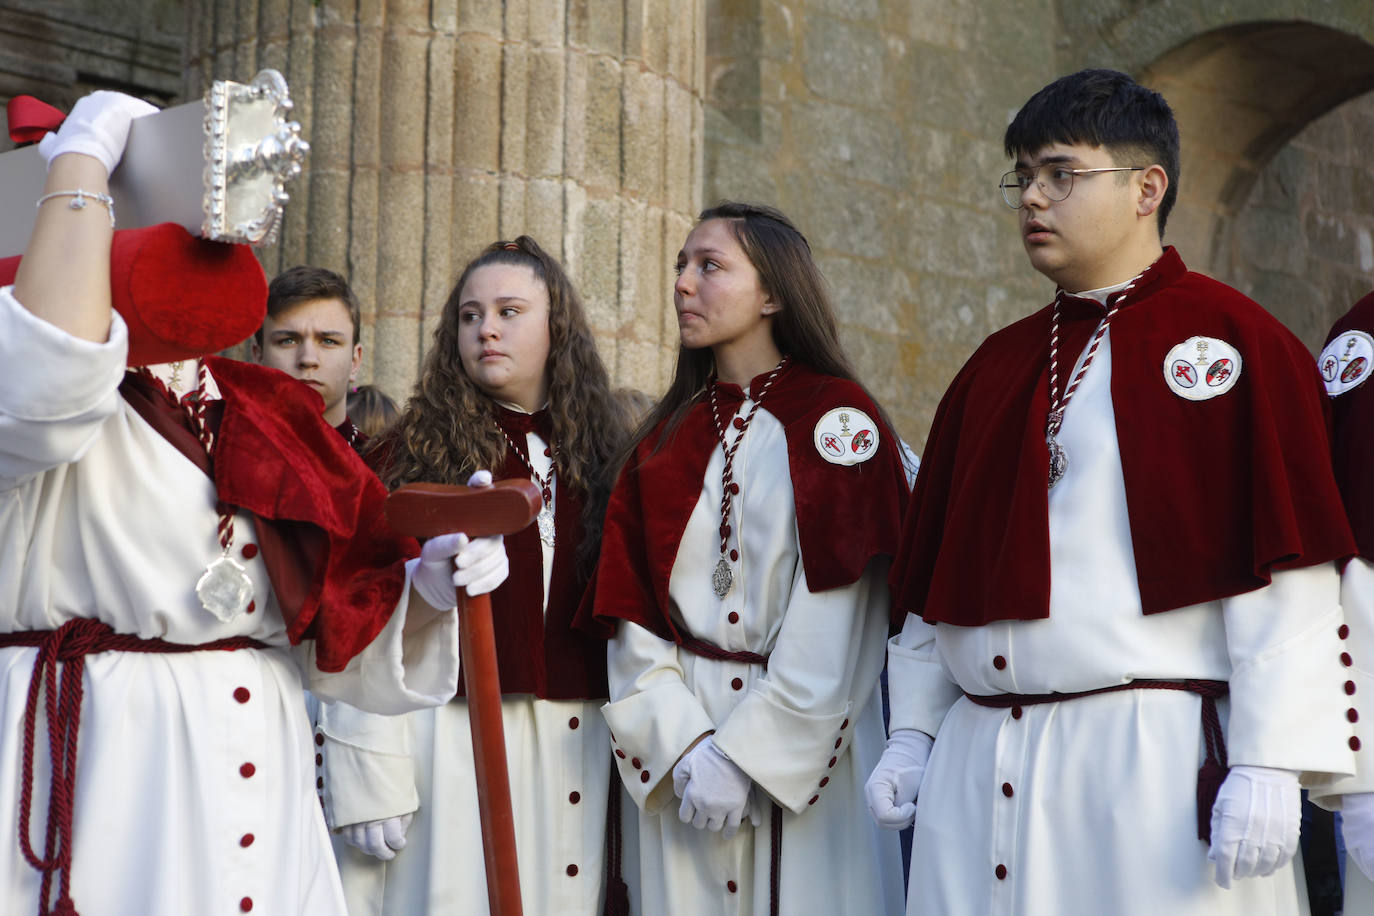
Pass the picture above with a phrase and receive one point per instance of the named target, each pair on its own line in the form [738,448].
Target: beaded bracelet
[79,198]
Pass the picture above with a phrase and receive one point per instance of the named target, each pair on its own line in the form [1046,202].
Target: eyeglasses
[1055,184]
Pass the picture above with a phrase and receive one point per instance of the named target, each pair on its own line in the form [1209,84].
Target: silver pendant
[545,520]
[721,578]
[1059,461]
[224,589]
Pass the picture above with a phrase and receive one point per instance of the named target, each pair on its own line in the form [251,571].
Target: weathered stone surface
[844,59]
[601,126]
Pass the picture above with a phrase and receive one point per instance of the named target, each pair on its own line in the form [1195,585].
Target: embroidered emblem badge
[1201,368]
[1346,361]
[846,435]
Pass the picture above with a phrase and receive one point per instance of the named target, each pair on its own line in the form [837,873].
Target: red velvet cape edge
[1352,450]
[537,649]
[846,516]
[1220,492]
[277,458]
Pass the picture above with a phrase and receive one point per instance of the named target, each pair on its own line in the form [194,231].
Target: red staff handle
[426,510]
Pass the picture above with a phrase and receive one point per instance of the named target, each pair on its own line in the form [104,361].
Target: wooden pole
[426,510]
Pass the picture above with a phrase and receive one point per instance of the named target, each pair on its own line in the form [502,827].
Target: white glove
[714,792]
[1357,825]
[1254,823]
[892,786]
[455,560]
[98,126]
[379,839]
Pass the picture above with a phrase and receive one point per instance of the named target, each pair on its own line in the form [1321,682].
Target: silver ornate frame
[251,151]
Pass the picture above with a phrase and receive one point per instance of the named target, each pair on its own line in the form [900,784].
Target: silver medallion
[721,578]
[224,589]
[545,520]
[1059,461]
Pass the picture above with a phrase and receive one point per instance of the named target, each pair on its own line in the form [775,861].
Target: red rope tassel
[69,644]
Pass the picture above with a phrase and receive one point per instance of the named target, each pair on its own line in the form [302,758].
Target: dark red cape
[1352,451]
[538,651]
[336,567]
[846,516]
[1220,492]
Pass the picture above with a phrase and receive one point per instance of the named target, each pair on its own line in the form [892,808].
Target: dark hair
[371,410]
[446,430]
[804,327]
[306,284]
[1103,108]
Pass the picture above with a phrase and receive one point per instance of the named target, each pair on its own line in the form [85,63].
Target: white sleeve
[405,667]
[1357,600]
[823,668]
[1287,696]
[367,768]
[56,390]
[919,687]
[652,714]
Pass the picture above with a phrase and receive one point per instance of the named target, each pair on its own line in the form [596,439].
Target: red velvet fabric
[277,458]
[182,297]
[1220,492]
[538,652]
[846,516]
[29,119]
[1352,450]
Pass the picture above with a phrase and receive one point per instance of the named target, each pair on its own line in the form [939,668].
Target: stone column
[437,127]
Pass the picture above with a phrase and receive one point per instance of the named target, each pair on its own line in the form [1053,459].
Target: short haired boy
[311,333]
[1124,513]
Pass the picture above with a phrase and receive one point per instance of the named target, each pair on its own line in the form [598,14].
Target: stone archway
[1241,93]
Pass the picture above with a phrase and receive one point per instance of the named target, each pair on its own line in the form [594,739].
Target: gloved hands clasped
[452,561]
[714,791]
[892,786]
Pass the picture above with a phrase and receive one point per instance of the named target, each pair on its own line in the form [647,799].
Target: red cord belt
[70,644]
[1214,768]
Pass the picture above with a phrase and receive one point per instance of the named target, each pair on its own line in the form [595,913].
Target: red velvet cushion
[181,296]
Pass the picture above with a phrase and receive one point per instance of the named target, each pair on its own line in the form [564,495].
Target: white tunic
[194,787]
[807,729]
[1357,598]
[1089,805]
[559,758]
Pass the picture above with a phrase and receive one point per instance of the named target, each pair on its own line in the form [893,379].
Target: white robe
[559,759]
[1090,804]
[807,730]
[1357,598]
[101,517]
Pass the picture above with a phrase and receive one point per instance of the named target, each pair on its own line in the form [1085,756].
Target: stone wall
[1303,244]
[59,50]
[877,127]
[601,126]
[439,127]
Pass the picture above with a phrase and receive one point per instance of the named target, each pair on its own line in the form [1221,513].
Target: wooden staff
[426,510]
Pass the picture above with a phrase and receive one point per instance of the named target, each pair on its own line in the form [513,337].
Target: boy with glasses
[1117,566]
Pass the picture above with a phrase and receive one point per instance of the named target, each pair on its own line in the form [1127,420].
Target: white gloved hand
[1357,826]
[892,786]
[1254,823]
[714,792]
[452,561]
[379,839]
[98,126]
